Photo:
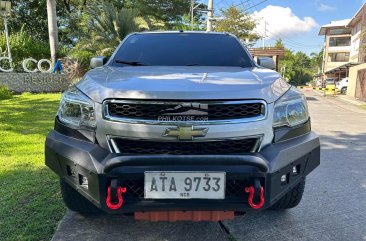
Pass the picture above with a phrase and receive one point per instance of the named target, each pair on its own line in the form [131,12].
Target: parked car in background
[330,81]
[342,86]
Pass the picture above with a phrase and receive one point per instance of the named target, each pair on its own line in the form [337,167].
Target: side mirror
[97,62]
[267,63]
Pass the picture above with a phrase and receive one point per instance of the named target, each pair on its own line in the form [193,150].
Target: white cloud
[324,7]
[281,22]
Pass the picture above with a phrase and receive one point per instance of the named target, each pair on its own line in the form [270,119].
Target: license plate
[185,185]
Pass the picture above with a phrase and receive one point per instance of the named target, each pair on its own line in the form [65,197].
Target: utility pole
[283,71]
[210,11]
[265,34]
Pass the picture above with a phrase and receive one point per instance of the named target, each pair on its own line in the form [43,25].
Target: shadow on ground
[106,227]
[333,206]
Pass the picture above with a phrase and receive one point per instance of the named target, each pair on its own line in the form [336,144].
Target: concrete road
[333,207]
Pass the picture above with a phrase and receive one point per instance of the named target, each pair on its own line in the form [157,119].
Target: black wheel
[291,199]
[75,201]
[344,90]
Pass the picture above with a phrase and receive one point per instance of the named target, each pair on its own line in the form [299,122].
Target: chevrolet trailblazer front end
[182,126]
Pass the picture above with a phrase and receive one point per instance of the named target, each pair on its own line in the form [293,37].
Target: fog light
[83,181]
[70,171]
[296,170]
[284,179]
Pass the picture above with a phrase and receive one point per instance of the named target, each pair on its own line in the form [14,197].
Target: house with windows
[357,74]
[337,47]
[344,52]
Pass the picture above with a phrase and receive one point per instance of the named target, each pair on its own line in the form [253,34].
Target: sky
[297,22]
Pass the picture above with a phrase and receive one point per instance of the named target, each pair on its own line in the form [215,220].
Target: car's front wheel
[291,199]
[75,201]
[344,90]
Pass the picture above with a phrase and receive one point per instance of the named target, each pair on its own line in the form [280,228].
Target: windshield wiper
[192,65]
[132,63]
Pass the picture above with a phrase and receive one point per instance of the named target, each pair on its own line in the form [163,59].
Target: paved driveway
[333,207]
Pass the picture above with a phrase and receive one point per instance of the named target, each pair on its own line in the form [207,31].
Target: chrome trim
[256,147]
[107,116]
[115,147]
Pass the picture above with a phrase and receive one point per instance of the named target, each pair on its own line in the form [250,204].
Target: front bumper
[77,160]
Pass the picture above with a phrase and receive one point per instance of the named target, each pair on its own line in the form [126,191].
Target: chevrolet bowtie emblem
[185,133]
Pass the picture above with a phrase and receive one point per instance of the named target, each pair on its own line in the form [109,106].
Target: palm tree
[109,25]
[52,29]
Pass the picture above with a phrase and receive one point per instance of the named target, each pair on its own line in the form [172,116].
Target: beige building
[344,52]
[337,44]
[357,74]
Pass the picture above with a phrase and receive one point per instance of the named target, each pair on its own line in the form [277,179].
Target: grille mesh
[214,111]
[186,148]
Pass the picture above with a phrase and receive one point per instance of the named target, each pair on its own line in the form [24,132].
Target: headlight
[291,109]
[76,109]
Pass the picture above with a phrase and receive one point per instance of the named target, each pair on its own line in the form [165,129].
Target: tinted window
[338,57]
[343,41]
[183,49]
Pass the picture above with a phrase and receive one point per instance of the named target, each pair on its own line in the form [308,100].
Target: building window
[338,57]
[342,41]
[339,31]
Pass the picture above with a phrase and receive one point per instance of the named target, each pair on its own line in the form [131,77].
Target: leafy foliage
[298,68]
[5,93]
[110,25]
[238,23]
[23,45]
[33,16]
[168,11]
[317,59]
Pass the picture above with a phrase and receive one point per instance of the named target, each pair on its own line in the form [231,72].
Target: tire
[291,199]
[75,201]
[344,90]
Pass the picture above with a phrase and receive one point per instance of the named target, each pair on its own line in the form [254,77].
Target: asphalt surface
[333,206]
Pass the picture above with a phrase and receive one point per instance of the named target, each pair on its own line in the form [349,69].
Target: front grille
[234,188]
[135,188]
[241,146]
[211,110]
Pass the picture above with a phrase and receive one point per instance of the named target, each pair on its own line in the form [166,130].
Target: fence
[329,90]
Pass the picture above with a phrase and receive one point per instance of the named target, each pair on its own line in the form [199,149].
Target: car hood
[182,83]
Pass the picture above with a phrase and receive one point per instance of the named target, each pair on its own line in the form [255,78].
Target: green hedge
[5,93]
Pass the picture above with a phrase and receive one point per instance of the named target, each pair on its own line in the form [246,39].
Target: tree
[279,43]
[32,15]
[317,59]
[165,10]
[238,23]
[52,29]
[300,68]
[110,26]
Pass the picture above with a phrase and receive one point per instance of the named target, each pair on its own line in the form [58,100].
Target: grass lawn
[30,199]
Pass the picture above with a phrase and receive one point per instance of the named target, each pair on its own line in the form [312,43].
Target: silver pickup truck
[182,126]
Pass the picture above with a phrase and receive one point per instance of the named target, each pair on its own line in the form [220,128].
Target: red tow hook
[251,191]
[119,190]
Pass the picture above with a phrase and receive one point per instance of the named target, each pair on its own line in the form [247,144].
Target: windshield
[182,49]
